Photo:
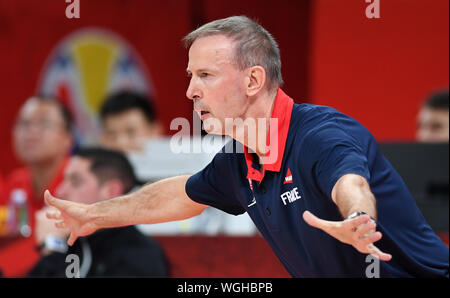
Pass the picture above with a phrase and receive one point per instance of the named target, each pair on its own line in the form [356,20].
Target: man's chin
[213,126]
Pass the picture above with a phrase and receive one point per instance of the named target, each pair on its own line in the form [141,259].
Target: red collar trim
[282,111]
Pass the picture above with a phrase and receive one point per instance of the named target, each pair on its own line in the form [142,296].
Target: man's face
[127,131]
[40,134]
[433,125]
[80,184]
[217,86]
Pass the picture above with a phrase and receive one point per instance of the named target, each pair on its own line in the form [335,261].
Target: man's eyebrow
[199,70]
[204,70]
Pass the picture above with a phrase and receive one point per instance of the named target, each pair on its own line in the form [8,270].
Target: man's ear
[112,188]
[256,80]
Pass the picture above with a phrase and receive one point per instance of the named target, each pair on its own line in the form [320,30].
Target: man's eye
[204,74]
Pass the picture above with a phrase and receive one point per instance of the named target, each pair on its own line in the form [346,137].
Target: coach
[317,187]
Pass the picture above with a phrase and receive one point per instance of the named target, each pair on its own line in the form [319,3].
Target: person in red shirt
[42,141]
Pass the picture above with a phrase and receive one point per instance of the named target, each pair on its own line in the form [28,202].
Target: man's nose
[193,92]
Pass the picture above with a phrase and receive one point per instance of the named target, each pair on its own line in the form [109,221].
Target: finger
[40,214]
[48,198]
[365,229]
[370,239]
[316,222]
[60,225]
[53,215]
[49,209]
[357,221]
[52,201]
[72,239]
[375,252]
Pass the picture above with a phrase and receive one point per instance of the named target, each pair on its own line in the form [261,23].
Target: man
[128,119]
[306,159]
[94,175]
[433,119]
[42,140]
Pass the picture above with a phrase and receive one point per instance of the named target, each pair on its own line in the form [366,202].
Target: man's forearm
[162,201]
[352,194]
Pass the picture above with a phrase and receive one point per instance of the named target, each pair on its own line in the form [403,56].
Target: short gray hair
[254,45]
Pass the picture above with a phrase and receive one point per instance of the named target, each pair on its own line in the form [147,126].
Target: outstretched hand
[73,216]
[358,232]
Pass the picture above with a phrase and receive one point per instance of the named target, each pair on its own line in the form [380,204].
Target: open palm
[358,232]
[73,216]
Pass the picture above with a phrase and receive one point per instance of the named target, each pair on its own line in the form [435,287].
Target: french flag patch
[288,178]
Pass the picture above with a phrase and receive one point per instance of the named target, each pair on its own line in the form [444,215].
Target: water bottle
[18,211]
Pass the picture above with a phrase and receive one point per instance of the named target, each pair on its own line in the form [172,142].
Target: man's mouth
[204,115]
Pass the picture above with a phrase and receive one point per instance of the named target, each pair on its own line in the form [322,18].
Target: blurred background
[379,71]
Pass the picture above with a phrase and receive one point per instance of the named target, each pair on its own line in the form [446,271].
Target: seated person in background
[128,119]
[432,120]
[92,175]
[42,141]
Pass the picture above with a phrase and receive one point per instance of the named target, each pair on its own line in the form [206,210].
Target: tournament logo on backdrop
[87,66]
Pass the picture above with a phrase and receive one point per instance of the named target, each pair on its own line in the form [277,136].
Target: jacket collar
[281,113]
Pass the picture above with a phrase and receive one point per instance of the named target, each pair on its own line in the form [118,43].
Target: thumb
[314,221]
[52,201]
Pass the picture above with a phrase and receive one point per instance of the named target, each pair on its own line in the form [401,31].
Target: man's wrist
[94,214]
[360,213]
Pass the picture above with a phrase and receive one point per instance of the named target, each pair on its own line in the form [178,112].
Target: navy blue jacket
[316,146]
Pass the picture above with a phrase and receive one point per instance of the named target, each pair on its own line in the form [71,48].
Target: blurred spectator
[92,175]
[128,119]
[432,120]
[42,140]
